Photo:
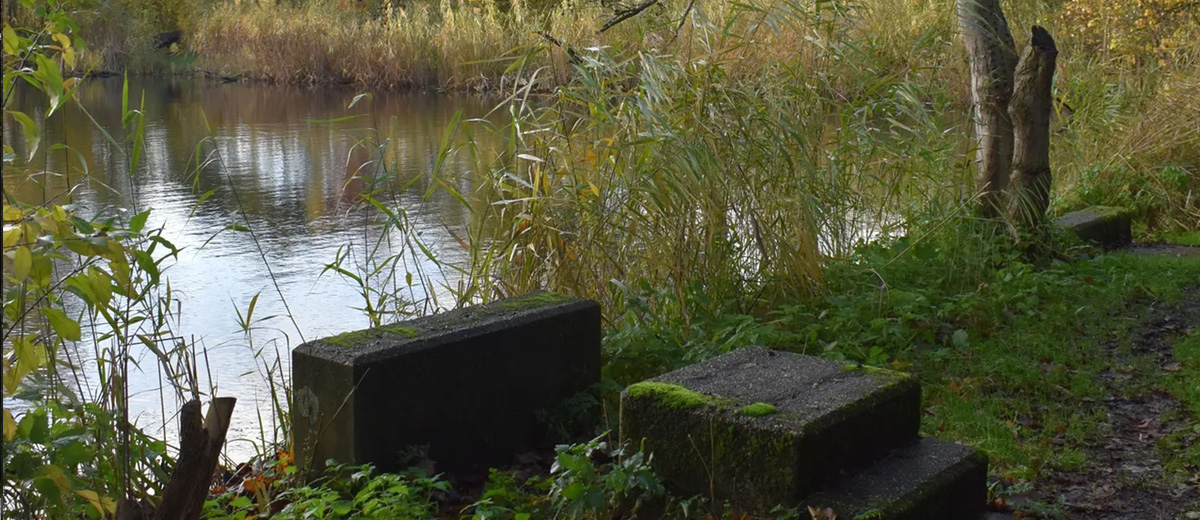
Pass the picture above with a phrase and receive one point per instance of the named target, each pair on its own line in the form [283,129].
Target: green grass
[1009,356]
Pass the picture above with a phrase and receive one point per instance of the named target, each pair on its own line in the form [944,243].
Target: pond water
[284,162]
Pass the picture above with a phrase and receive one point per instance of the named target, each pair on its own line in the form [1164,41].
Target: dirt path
[1126,478]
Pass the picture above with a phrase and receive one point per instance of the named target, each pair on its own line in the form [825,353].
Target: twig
[575,59]
[682,20]
[625,14]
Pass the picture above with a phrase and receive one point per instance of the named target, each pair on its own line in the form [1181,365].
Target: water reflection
[286,163]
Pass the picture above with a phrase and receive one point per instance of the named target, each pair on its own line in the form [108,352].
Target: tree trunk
[1030,110]
[199,447]
[993,59]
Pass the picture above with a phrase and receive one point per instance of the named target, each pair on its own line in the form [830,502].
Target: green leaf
[65,327]
[138,221]
[73,454]
[52,80]
[33,135]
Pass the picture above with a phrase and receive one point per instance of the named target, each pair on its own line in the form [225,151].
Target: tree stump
[199,447]
[993,59]
[1030,110]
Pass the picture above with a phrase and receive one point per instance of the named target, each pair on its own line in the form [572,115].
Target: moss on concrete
[858,367]
[355,338]
[538,299]
[758,410]
[672,396]
[1108,212]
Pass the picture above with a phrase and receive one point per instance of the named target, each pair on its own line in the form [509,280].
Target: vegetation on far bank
[793,175]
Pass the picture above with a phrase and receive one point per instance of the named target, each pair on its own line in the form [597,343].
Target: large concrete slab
[763,428]
[470,387]
[928,479]
[1108,226]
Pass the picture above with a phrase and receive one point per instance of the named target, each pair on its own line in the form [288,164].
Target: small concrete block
[928,479]
[762,428]
[1108,226]
[468,386]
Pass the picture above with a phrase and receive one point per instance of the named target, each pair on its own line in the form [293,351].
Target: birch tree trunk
[1030,110]
[993,60]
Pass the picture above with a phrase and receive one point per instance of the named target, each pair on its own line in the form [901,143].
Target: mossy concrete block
[471,387]
[928,479]
[1108,226]
[763,428]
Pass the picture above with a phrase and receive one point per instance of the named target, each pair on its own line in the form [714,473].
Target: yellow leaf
[56,475]
[12,213]
[10,41]
[62,40]
[11,237]
[22,262]
[104,505]
[595,190]
[10,426]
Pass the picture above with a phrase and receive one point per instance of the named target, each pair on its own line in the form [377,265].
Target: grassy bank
[1046,367]
[795,175]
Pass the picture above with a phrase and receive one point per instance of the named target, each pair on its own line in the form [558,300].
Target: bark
[993,59]
[1030,110]
[199,447]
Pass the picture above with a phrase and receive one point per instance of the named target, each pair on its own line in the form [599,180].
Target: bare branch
[625,14]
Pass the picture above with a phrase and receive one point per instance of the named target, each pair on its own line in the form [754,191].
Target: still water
[286,163]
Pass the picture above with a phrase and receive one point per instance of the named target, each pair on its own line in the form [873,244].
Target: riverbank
[797,176]
[1125,120]
[1077,378]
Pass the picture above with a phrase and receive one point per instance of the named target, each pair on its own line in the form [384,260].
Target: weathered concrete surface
[470,385]
[925,480]
[705,427]
[1108,226]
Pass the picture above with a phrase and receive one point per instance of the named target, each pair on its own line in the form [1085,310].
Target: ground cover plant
[793,175]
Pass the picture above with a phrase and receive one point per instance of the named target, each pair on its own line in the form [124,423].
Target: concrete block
[928,479]
[1108,226]
[471,386]
[763,428]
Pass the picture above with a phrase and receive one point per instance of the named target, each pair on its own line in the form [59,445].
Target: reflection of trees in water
[282,148]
